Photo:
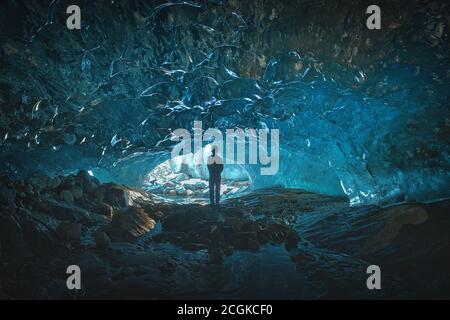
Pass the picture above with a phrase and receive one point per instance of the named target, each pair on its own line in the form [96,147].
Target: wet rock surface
[129,224]
[303,245]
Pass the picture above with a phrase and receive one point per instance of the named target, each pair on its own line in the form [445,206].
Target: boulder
[29,189]
[105,210]
[277,232]
[7,196]
[215,255]
[180,177]
[180,190]
[156,214]
[66,211]
[77,192]
[54,183]
[11,237]
[200,185]
[115,195]
[292,240]
[99,194]
[66,196]
[245,241]
[236,223]
[88,182]
[69,231]
[129,224]
[90,187]
[68,182]
[83,175]
[190,218]
[194,185]
[102,240]
[228,250]
[39,183]
[169,184]
[39,238]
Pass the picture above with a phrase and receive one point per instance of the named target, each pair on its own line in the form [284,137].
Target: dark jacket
[215,169]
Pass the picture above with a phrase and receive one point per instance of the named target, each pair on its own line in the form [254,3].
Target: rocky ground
[194,188]
[132,244]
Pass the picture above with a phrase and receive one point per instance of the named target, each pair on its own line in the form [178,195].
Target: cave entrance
[176,180]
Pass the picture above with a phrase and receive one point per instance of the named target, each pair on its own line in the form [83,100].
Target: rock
[54,183]
[156,215]
[169,185]
[67,211]
[77,192]
[193,246]
[215,255]
[396,217]
[99,194]
[277,232]
[292,240]
[236,223]
[181,190]
[105,210]
[102,240]
[29,189]
[245,241]
[91,187]
[7,196]
[129,224]
[95,271]
[39,238]
[200,185]
[263,237]
[39,183]
[190,218]
[11,237]
[228,250]
[83,175]
[181,177]
[68,182]
[66,196]
[115,195]
[69,231]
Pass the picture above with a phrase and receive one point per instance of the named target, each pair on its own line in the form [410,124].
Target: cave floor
[268,244]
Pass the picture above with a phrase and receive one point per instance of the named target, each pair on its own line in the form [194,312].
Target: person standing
[215,168]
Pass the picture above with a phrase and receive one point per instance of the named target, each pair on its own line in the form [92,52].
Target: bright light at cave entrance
[180,177]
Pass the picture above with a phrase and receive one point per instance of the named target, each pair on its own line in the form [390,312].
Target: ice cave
[87,175]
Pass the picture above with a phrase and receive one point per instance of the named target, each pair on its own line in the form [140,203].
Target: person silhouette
[215,168]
